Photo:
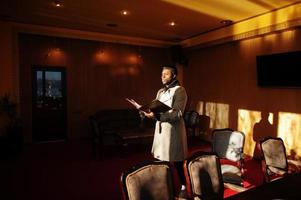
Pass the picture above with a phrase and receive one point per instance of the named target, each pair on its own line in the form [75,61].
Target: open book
[154,106]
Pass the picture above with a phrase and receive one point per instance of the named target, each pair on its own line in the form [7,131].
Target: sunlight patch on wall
[289,129]
[218,113]
[271,118]
[200,107]
[246,121]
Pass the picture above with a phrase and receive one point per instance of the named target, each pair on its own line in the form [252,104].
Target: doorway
[49,113]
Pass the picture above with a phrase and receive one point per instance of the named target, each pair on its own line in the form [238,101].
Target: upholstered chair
[203,176]
[275,163]
[150,180]
[228,145]
[191,119]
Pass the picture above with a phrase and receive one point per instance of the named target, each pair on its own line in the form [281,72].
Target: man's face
[166,76]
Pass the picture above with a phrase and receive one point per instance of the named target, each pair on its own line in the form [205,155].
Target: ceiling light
[226,22]
[58,4]
[125,12]
[172,23]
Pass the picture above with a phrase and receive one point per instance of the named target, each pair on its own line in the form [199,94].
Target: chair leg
[266,178]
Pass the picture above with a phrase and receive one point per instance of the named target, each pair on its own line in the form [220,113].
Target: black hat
[173,69]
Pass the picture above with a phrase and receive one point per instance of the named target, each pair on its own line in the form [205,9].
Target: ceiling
[146,19]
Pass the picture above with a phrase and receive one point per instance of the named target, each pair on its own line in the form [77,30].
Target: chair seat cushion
[276,170]
[230,169]
[232,178]
[231,174]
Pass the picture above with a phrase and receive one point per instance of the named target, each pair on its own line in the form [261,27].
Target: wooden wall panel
[99,75]
[6,71]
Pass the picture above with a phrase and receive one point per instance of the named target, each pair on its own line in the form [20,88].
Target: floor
[67,170]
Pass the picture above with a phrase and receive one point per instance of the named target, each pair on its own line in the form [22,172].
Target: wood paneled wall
[221,81]
[6,69]
[99,76]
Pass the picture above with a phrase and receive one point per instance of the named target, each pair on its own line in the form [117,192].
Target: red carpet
[68,171]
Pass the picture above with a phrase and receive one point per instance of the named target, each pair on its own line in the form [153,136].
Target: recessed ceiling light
[58,4]
[226,22]
[124,12]
[172,23]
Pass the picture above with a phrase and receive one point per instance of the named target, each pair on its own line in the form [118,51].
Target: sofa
[117,128]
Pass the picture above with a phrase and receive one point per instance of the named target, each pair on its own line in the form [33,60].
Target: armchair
[203,176]
[275,163]
[151,180]
[228,145]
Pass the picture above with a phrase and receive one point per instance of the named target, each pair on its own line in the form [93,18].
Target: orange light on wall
[102,57]
[133,70]
[132,64]
[55,53]
[121,62]
[56,56]
[133,59]
[118,70]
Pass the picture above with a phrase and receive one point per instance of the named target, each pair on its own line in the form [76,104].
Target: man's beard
[169,82]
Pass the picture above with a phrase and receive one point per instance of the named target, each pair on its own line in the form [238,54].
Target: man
[170,141]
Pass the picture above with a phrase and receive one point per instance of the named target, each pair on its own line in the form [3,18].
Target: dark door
[49,121]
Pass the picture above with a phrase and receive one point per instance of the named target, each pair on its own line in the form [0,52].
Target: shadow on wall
[262,129]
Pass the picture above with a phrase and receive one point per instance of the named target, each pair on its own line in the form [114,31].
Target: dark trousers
[180,170]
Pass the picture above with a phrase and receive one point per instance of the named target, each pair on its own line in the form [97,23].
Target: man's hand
[148,114]
[134,103]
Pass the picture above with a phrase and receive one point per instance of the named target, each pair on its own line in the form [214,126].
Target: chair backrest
[204,123]
[150,180]
[228,144]
[203,176]
[191,119]
[94,126]
[274,153]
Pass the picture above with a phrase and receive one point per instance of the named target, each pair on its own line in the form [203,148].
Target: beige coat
[170,141]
